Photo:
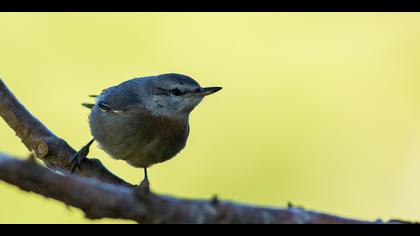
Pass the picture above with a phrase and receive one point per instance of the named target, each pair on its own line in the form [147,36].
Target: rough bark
[101,194]
[52,150]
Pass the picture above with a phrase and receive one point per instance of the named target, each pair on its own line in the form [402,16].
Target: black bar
[215,5]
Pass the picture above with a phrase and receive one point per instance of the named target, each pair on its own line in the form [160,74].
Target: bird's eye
[176,92]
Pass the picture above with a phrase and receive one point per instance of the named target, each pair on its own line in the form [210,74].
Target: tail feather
[88,105]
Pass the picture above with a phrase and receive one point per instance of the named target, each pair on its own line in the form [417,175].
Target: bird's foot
[76,161]
[144,186]
[79,157]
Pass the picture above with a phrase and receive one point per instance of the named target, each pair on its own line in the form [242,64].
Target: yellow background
[320,109]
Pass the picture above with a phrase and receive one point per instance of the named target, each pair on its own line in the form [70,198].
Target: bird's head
[174,95]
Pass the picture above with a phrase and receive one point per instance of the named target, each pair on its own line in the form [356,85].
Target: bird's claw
[76,161]
[79,157]
[144,186]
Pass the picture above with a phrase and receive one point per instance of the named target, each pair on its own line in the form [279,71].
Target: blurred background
[319,109]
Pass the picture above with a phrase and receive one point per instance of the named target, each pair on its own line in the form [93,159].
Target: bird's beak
[209,90]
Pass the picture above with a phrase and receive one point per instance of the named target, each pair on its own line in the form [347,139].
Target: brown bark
[52,150]
[101,194]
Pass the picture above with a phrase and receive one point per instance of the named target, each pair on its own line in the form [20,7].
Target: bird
[143,121]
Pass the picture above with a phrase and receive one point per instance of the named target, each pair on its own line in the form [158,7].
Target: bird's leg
[146,176]
[80,156]
[145,185]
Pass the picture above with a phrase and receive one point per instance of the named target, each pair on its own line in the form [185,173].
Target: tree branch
[105,195]
[52,150]
[104,200]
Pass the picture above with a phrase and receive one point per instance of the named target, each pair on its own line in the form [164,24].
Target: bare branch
[52,150]
[103,200]
[105,195]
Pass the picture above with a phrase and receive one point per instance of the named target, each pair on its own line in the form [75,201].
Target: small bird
[144,121]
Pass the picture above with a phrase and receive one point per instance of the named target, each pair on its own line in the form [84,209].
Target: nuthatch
[144,121]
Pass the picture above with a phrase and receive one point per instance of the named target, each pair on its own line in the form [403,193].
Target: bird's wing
[116,98]
[119,98]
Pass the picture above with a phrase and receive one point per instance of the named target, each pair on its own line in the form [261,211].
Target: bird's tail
[88,105]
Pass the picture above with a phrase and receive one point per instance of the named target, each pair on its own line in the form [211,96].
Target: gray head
[167,95]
